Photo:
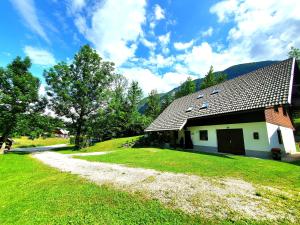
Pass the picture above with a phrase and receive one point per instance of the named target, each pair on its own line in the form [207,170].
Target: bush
[154,139]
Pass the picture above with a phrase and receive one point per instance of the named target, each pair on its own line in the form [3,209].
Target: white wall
[288,139]
[262,144]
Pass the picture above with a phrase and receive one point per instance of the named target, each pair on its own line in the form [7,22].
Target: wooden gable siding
[231,118]
[278,117]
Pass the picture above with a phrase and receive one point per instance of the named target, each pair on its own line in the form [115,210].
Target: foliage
[37,125]
[212,79]
[32,193]
[77,91]
[153,105]
[121,117]
[19,95]
[136,122]
[111,121]
[166,101]
[294,53]
[188,87]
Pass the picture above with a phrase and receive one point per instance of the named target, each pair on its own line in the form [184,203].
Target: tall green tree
[166,101]
[77,91]
[19,95]
[136,122]
[134,96]
[212,78]
[116,112]
[153,105]
[294,53]
[188,87]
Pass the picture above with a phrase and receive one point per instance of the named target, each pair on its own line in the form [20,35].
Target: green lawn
[25,142]
[260,171]
[32,193]
[110,145]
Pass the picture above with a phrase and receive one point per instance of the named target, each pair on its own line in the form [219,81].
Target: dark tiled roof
[262,88]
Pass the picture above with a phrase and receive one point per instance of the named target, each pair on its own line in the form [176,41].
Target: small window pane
[189,109]
[203,135]
[200,96]
[255,135]
[204,105]
[215,91]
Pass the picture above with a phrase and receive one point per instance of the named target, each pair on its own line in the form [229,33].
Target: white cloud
[261,30]
[159,12]
[76,5]
[165,39]
[39,56]
[208,32]
[149,81]
[182,45]
[27,10]
[160,61]
[224,9]
[149,44]
[115,27]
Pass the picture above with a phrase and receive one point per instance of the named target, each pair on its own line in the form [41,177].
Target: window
[215,91]
[279,135]
[255,135]
[200,96]
[203,135]
[189,109]
[276,108]
[204,105]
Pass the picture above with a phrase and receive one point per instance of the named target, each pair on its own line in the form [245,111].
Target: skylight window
[200,96]
[189,109]
[204,105]
[215,91]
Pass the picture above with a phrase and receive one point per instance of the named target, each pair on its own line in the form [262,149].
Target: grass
[32,193]
[25,142]
[110,145]
[258,171]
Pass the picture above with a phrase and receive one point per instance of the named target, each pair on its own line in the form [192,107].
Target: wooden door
[231,141]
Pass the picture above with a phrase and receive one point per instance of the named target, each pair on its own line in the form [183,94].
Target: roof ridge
[238,77]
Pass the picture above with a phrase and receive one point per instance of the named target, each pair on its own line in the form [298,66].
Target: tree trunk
[78,136]
[2,147]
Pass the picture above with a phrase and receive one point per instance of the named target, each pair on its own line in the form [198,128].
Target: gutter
[291,82]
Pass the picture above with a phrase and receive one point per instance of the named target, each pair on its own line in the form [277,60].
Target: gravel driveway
[209,197]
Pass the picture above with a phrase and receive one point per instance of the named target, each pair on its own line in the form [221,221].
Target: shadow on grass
[27,146]
[67,148]
[17,152]
[222,155]
[296,163]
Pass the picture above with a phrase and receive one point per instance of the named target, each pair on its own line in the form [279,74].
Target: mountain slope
[232,72]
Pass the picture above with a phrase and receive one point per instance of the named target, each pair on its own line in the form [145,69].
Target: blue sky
[158,43]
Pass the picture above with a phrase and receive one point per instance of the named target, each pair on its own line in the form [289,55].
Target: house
[248,115]
[61,133]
